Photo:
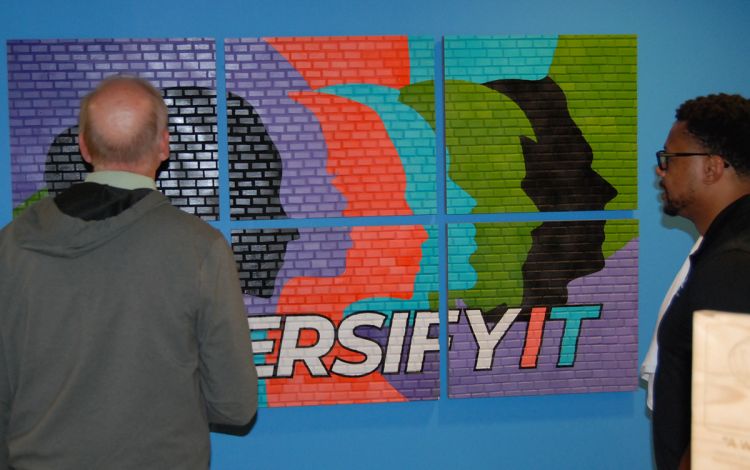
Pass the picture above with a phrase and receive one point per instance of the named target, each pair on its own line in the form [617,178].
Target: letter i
[533,338]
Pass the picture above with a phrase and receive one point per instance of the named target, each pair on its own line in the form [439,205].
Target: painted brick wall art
[541,124]
[341,314]
[560,110]
[47,79]
[340,219]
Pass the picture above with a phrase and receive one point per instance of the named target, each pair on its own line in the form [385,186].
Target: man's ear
[714,168]
[164,146]
[85,153]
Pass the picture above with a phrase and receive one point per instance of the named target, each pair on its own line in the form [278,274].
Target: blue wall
[686,48]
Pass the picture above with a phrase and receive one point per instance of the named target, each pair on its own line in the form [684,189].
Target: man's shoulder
[735,241]
[720,280]
[733,255]
[180,222]
[32,214]
[731,233]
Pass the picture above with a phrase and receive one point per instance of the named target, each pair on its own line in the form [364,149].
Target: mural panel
[347,324]
[553,309]
[47,79]
[541,124]
[331,137]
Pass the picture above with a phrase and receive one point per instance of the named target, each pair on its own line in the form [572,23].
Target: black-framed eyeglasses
[662,157]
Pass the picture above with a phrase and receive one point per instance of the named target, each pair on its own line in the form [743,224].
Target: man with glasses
[704,173]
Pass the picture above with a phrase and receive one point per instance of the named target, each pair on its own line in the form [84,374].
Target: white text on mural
[366,342]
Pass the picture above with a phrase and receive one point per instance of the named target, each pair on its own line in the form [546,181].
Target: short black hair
[722,123]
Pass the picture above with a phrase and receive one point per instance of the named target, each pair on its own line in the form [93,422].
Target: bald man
[123,331]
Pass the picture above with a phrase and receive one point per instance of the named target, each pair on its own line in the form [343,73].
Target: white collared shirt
[648,368]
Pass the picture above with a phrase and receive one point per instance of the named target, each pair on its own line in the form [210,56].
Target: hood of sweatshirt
[43,228]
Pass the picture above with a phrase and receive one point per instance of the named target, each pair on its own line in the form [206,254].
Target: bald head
[122,125]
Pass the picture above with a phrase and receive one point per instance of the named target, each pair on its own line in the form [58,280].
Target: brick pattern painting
[47,79]
[317,129]
[345,325]
[541,124]
[326,119]
[334,209]
[553,309]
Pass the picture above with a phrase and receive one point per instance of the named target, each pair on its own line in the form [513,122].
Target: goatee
[669,209]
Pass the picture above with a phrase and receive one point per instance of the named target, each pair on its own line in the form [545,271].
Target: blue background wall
[686,48]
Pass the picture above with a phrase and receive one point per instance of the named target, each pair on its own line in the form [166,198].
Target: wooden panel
[721,391]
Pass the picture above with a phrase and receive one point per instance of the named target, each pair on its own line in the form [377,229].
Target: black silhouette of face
[190,177]
[559,177]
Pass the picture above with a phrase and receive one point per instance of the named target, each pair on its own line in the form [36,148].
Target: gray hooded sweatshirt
[120,340]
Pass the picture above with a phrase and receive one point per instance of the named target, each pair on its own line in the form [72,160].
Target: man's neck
[121,179]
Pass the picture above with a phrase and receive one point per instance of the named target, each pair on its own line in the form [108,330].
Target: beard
[669,207]
[672,206]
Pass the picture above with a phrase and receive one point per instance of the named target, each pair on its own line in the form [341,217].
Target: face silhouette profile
[190,177]
[559,177]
